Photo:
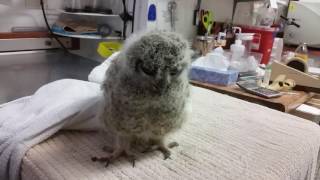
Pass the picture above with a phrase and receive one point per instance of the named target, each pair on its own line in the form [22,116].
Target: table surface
[287,102]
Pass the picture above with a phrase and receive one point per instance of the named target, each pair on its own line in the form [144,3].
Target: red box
[262,41]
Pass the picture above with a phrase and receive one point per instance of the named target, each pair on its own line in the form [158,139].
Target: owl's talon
[102,160]
[150,149]
[166,156]
[131,158]
[173,145]
[133,161]
[94,159]
[166,153]
[105,160]
[107,163]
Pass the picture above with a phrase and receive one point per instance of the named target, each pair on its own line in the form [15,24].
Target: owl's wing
[111,73]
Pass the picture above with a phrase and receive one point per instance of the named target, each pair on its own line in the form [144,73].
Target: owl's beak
[164,83]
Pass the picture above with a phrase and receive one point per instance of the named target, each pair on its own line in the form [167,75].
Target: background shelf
[89,36]
[89,14]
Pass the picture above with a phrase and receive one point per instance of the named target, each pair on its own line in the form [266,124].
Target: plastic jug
[237,50]
[246,39]
[302,52]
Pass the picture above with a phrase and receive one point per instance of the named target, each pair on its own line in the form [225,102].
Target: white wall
[18,13]
[222,9]
[184,16]
[14,13]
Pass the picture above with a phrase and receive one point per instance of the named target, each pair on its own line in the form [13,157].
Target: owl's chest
[153,110]
[139,115]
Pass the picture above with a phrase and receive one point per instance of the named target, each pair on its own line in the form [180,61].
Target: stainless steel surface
[28,29]
[22,73]
[31,44]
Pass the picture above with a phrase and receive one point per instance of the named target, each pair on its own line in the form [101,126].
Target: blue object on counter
[152,13]
[58,29]
[213,76]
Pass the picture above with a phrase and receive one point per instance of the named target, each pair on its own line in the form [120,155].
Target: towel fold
[98,73]
[63,104]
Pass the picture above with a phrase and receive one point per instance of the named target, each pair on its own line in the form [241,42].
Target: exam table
[225,138]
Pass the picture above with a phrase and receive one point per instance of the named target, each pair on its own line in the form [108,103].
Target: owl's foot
[105,160]
[173,145]
[131,158]
[114,155]
[165,150]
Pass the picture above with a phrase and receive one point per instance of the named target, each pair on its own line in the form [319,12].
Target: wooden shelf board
[16,35]
[285,103]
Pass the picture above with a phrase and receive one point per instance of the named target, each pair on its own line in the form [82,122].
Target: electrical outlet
[35,4]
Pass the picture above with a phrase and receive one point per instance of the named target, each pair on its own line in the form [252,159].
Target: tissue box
[213,76]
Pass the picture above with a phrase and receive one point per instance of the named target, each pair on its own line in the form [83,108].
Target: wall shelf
[124,17]
[89,36]
[89,14]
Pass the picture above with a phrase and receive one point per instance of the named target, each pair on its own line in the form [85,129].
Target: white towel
[70,104]
[98,73]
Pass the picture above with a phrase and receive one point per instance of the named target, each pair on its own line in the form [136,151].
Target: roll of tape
[298,64]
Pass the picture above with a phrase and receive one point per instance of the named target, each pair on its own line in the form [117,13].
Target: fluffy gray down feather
[146,88]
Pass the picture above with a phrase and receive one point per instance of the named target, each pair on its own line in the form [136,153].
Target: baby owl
[146,89]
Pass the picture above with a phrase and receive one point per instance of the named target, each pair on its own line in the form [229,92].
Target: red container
[262,41]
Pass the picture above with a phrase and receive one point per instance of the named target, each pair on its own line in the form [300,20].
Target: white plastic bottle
[277,49]
[237,50]
[267,76]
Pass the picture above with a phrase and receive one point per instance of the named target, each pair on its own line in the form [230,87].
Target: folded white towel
[97,74]
[70,104]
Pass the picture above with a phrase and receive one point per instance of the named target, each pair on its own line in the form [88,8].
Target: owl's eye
[148,71]
[175,71]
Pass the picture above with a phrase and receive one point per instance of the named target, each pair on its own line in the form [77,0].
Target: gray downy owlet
[146,90]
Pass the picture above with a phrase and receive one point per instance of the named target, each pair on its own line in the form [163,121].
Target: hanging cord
[48,26]
[125,16]
[133,14]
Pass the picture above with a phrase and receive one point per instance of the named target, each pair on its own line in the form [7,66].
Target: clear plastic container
[73,5]
[91,6]
[237,50]
[246,39]
[277,49]
[267,76]
[302,52]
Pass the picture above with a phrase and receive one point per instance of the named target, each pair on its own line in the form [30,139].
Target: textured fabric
[97,74]
[67,103]
[226,138]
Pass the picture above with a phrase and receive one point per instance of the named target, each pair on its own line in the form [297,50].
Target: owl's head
[159,60]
